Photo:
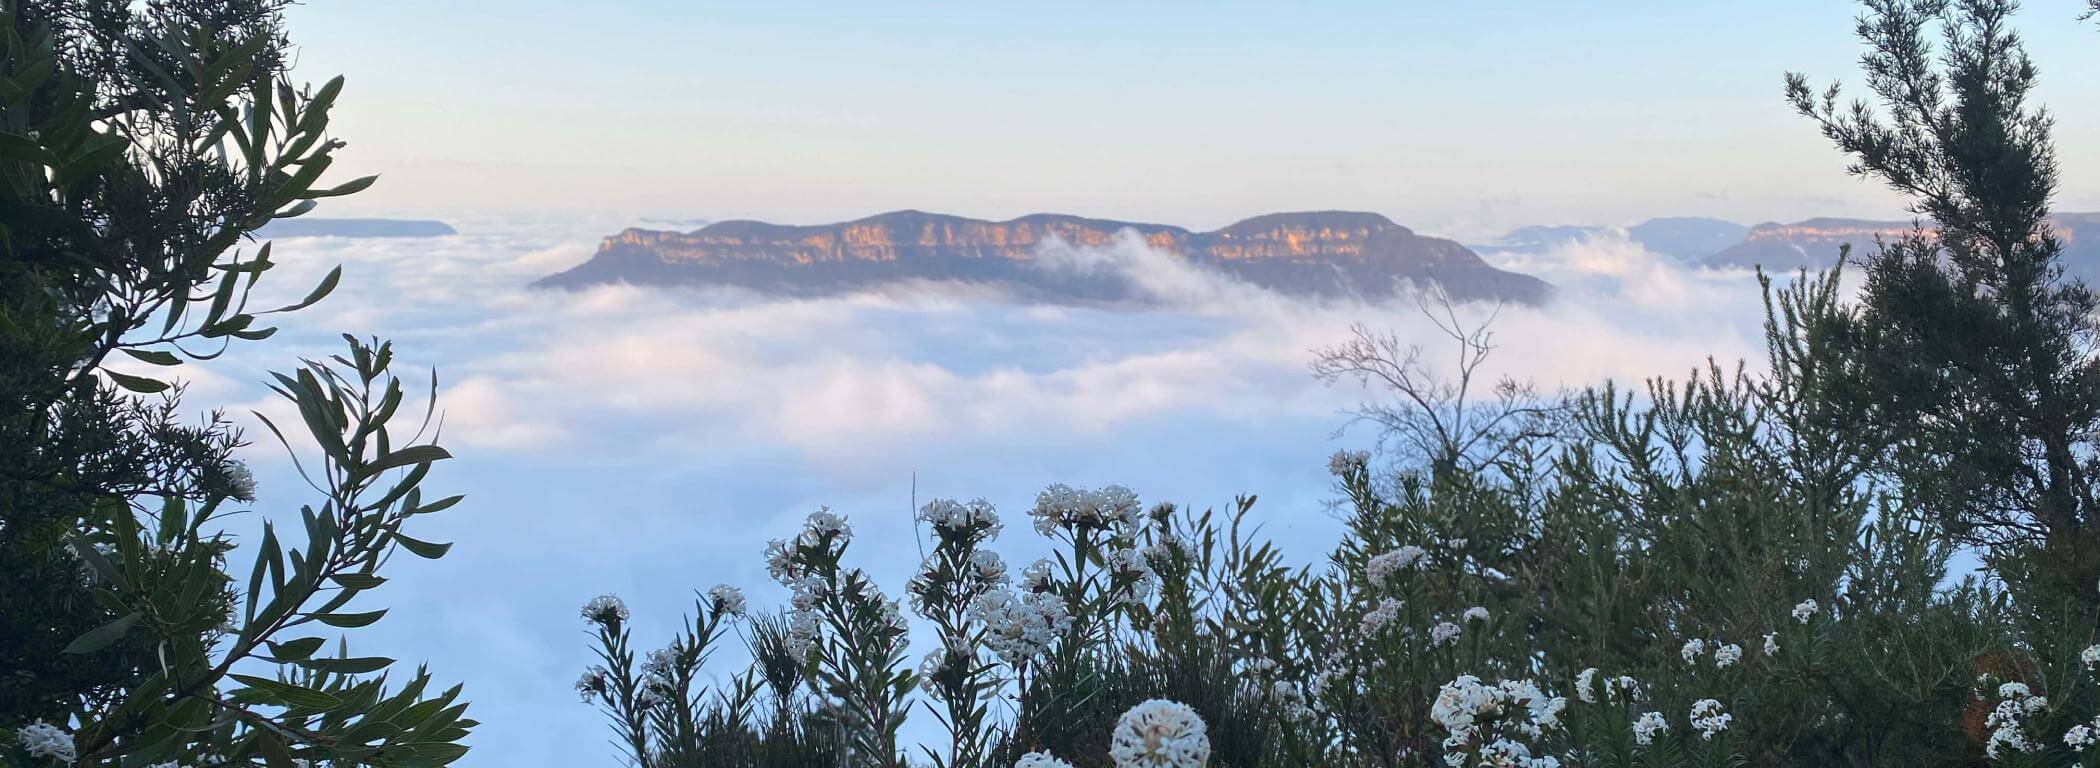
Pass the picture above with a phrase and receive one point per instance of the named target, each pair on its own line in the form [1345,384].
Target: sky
[648,442]
[1461,119]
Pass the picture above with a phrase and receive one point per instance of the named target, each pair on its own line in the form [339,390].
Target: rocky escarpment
[1329,253]
[1814,243]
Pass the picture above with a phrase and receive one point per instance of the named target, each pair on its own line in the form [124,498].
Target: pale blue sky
[1451,116]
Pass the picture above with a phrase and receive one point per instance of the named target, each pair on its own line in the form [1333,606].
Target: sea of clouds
[648,442]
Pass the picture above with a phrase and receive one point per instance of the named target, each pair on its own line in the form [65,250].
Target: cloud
[648,442]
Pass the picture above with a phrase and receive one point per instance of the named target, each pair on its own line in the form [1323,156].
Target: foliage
[140,146]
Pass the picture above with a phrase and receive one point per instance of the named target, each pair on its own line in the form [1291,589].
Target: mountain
[305,227]
[1814,243]
[1687,239]
[1327,253]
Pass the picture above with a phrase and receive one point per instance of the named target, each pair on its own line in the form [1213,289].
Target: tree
[141,145]
[1973,348]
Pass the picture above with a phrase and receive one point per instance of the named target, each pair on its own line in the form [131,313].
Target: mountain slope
[1326,253]
[1814,243]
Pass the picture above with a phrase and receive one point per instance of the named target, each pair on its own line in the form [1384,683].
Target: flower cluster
[1040,760]
[726,600]
[950,515]
[1648,726]
[43,740]
[2007,721]
[605,611]
[1805,610]
[1020,630]
[1466,708]
[1708,718]
[1382,567]
[1159,734]
[1061,506]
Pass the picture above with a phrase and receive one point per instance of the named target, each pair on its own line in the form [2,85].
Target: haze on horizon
[1461,120]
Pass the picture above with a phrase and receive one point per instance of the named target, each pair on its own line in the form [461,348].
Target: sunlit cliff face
[889,237]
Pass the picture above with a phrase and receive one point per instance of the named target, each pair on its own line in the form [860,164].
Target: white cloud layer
[648,442]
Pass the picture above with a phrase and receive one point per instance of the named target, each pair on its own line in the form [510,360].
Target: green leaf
[17,147]
[294,650]
[423,549]
[101,637]
[138,384]
[154,356]
[318,293]
[273,752]
[350,187]
[349,620]
[414,454]
[289,693]
[353,666]
[358,580]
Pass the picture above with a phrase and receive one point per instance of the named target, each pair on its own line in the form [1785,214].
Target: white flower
[605,610]
[2013,690]
[1381,567]
[1708,719]
[1727,655]
[1442,633]
[1040,760]
[1647,726]
[1036,576]
[1387,610]
[592,684]
[1583,686]
[1159,734]
[989,567]
[2005,721]
[1060,506]
[43,740]
[1771,643]
[2078,738]
[726,599]
[1343,461]
[1805,610]
[1476,613]
[1020,630]
[1692,649]
[821,524]
[950,515]
[804,627]
[2091,657]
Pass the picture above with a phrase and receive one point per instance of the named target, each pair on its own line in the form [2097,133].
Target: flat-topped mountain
[1325,253]
[1814,243]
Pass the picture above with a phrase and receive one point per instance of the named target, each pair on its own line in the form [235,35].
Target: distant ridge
[1685,238]
[1322,253]
[1814,243]
[305,227]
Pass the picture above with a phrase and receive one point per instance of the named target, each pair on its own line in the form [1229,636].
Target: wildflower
[592,684]
[1040,760]
[1647,726]
[1771,643]
[1020,630]
[1442,633]
[240,481]
[1036,576]
[1460,703]
[1343,462]
[931,667]
[1291,699]
[1387,610]
[822,526]
[727,600]
[1708,719]
[43,740]
[1476,613]
[1583,683]
[2007,719]
[1805,610]
[1383,566]
[605,611]
[2091,657]
[988,566]
[2079,737]
[1692,649]
[803,628]
[1727,655]
[780,560]
[1128,569]
[1061,506]
[1160,734]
